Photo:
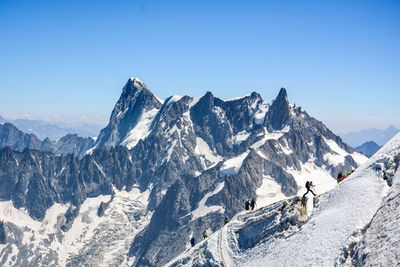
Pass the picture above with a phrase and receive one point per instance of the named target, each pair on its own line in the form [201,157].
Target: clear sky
[68,60]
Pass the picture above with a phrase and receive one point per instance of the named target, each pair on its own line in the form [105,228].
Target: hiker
[339,177]
[205,234]
[193,241]
[226,220]
[308,186]
[253,203]
[247,205]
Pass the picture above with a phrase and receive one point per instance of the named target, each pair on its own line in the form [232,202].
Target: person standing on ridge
[205,234]
[253,203]
[226,220]
[193,241]
[247,205]
[308,186]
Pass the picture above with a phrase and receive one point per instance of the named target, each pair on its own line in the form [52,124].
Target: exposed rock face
[199,158]
[17,140]
[3,233]
[72,144]
[278,114]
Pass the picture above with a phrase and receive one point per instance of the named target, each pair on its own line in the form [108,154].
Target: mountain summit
[278,114]
[135,103]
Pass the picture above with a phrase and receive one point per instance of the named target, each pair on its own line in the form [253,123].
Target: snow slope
[338,221]
[93,240]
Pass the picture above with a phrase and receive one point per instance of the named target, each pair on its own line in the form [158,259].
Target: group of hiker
[341,177]
[250,204]
[193,240]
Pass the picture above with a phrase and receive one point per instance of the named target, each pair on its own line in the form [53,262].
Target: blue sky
[68,60]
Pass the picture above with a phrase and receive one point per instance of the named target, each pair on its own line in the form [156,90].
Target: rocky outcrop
[3,233]
[278,113]
[15,139]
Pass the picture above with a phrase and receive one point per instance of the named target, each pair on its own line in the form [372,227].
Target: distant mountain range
[12,137]
[55,130]
[380,137]
[368,148]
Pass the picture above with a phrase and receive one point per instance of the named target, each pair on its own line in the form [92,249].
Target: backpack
[308,184]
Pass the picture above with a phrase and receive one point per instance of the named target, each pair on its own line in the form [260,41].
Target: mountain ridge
[193,162]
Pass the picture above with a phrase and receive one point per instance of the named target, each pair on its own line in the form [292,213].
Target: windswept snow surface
[326,235]
[269,192]
[203,209]
[272,135]
[259,116]
[339,213]
[173,99]
[339,154]
[232,165]
[236,98]
[241,137]
[208,157]
[141,130]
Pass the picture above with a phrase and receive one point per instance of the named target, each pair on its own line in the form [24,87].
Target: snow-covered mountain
[354,224]
[131,118]
[160,172]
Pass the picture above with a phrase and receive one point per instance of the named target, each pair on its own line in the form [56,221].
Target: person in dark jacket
[253,203]
[226,220]
[193,241]
[247,205]
[205,234]
[308,187]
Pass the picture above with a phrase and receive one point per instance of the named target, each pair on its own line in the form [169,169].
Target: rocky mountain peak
[278,114]
[136,99]
[134,85]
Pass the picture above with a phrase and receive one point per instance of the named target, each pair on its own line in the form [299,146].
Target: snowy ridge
[324,237]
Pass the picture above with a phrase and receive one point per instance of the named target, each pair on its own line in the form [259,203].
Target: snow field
[105,235]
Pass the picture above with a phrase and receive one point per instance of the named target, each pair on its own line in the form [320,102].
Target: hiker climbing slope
[308,187]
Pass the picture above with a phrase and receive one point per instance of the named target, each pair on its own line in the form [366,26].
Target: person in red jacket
[339,177]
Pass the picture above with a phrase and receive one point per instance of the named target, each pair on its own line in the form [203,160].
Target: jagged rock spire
[278,114]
